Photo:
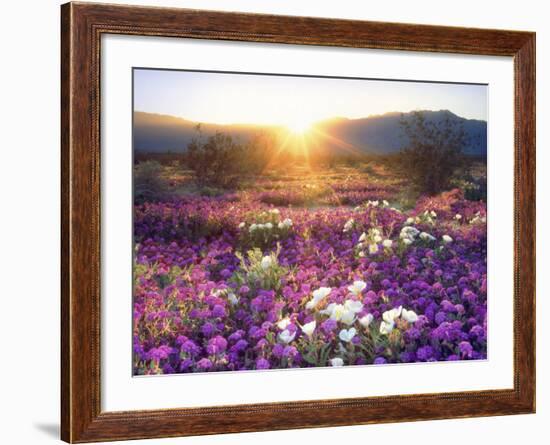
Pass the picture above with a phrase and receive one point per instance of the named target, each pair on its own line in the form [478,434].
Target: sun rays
[299,125]
[307,141]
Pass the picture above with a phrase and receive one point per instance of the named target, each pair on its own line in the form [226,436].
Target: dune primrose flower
[346,335]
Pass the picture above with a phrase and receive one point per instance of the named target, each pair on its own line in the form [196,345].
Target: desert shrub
[369,170]
[149,183]
[220,161]
[258,152]
[406,199]
[215,160]
[434,153]
[211,192]
[197,226]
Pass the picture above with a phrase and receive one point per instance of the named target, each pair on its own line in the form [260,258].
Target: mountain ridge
[376,134]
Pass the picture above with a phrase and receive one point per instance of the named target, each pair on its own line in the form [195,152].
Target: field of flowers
[302,270]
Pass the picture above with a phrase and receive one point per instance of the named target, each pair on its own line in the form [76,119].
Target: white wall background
[29,220]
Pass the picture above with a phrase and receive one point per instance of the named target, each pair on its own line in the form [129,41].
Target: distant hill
[383,134]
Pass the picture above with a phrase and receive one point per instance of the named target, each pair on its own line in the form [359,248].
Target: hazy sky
[286,100]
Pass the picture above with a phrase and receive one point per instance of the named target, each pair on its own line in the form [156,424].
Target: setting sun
[299,126]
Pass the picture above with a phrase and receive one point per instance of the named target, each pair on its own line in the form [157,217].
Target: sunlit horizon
[301,126]
[295,102]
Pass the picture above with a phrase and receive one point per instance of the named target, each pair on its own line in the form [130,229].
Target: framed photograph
[275,222]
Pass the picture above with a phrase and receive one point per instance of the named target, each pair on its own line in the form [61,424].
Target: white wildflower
[328,310]
[373,248]
[409,316]
[357,287]
[353,306]
[266,262]
[349,225]
[447,239]
[392,315]
[386,328]
[309,328]
[348,317]
[346,335]
[286,336]
[426,237]
[337,311]
[283,324]
[409,232]
[287,222]
[366,320]
[232,298]
[318,295]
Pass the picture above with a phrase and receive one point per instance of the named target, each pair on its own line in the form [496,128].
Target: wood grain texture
[81,28]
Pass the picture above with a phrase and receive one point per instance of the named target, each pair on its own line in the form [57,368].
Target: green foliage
[140,270]
[149,183]
[163,277]
[406,199]
[317,353]
[306,195]
[211,192]
[196,226]
[259,271]
[475,189]
[264,229]
[434,153]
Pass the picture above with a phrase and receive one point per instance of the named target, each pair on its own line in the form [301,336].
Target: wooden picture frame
[82,25]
